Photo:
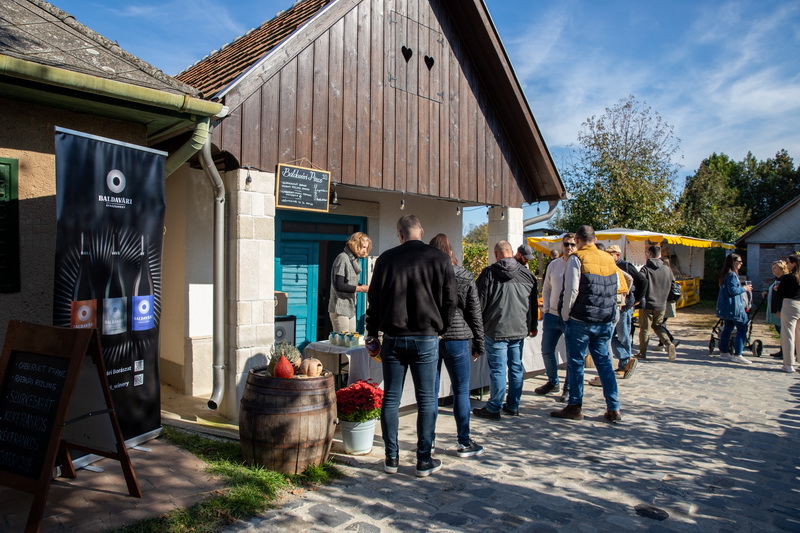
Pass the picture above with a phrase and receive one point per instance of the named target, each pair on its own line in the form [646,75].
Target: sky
[724,74]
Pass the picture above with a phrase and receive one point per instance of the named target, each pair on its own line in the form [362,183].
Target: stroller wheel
[711,345]
[757,347]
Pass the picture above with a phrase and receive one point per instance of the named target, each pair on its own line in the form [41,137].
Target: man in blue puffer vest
[588,309]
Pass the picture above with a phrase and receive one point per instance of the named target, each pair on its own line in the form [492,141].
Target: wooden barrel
[287,424]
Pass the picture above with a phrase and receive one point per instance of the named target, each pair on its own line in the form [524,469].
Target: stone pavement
[705,445]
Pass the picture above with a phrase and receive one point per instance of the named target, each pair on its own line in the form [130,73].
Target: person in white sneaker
[731,309]
[789,294]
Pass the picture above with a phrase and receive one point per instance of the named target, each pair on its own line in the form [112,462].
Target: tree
[623,174]
[709,206]
[765,186]
[477,234]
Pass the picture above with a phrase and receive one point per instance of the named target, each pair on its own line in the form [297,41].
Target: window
[9,226]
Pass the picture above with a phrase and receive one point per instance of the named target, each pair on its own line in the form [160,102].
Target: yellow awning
[540,244]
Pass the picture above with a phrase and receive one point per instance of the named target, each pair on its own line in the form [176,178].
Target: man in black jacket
[654,302]
[412,298]
[509,298]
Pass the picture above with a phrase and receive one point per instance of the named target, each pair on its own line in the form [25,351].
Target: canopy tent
[686,258]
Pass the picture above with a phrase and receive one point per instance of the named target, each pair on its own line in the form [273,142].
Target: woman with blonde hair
[779,268]
[789,295]
[345,273]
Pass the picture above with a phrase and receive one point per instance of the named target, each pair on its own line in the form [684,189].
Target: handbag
[674,292]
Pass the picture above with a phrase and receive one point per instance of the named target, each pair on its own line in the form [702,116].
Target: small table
[359,365]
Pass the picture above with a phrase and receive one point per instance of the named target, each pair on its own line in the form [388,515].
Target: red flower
[360,401]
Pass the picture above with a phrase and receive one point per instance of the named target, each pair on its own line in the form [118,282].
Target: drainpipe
[195,143]
[540,218]
[213,176]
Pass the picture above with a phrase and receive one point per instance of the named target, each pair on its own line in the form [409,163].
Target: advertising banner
[110,201]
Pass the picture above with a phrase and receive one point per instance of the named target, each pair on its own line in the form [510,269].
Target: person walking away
[670,311]
[588,309]
[651,314]
[509,302]
[412,299]
[789,294]
[779,268]
[552,325]
[345,272]
[464,338]
[731,309]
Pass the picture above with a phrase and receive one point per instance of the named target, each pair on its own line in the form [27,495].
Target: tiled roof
[214,72]
[36,31]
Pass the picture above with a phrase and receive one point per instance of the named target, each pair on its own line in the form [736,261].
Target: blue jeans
[621,341]
[595,337]
[421,355]
[456,358]
[552,331]
[738,342]
[502,355]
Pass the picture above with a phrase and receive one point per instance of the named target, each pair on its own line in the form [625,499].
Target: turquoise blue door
[299,273]
[306,245]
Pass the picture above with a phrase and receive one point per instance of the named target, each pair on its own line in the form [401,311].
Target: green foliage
[765,186]
[477,234]
[476,257]
[709,206]
[250,489]
[623,173]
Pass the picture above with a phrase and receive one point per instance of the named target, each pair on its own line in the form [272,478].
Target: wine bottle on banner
[83,308]
[115,303]
[143,311]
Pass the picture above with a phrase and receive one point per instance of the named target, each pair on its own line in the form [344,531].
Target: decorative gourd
[283,369]
[311,367]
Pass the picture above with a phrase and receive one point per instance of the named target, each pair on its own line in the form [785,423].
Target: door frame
[281,215]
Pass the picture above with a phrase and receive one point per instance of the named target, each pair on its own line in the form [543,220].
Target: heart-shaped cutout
[429,62]
[407,53]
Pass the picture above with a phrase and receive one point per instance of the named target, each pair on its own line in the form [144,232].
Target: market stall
[686,254]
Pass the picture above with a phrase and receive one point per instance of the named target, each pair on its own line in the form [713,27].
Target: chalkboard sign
[31,394]
[40,369]
[306,189]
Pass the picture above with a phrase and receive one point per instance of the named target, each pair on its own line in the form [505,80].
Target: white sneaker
[739,359]
[726,356]
[787,368]
[671,352]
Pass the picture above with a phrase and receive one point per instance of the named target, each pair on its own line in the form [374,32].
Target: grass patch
[249,491]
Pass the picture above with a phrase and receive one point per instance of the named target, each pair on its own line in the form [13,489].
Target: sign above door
[301,188]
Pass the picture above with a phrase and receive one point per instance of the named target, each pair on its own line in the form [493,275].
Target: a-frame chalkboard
[54,397]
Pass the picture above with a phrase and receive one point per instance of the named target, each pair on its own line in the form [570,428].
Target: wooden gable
[396,95]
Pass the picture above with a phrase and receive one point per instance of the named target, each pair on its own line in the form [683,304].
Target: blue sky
[725,74]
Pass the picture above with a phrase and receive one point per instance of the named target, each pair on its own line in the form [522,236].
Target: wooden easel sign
[54,397]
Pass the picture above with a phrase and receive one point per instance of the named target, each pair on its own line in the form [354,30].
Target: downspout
[553,204]
[195,143]
[211,172]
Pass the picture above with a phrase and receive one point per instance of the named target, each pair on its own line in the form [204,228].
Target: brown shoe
[612,416]
[629,368]
[571,412]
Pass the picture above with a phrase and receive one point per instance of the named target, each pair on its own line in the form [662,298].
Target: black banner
[110,201]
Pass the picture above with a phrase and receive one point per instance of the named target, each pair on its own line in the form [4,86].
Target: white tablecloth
[362,366]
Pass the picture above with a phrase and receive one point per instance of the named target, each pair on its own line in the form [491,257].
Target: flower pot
[357,437]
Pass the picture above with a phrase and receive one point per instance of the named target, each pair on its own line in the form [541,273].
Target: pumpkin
[311,367]
[283,368]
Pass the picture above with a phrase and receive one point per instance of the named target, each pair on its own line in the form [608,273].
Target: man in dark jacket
[621,340]
[509,299]
[588,310]
[654,302]
[412,298]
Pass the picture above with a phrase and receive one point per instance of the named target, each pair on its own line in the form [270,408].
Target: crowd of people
[432,314]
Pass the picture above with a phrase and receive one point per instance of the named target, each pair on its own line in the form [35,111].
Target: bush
[476,257]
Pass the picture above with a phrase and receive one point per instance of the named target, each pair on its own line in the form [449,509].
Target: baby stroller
[755,345]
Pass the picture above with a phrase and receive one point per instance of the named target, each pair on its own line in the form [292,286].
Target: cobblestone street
[705,445]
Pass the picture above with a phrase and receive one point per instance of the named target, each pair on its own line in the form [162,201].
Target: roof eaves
[767,220]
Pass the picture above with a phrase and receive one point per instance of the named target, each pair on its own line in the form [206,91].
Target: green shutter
[9,226]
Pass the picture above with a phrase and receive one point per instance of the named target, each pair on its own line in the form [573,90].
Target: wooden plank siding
[349,102]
